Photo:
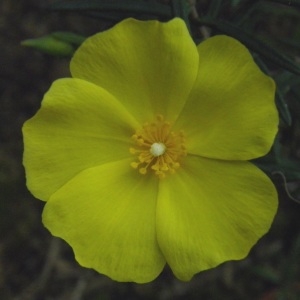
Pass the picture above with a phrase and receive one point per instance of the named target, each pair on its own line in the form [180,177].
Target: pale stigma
[157,149]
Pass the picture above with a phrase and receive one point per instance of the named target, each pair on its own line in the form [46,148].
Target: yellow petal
[148,65]
[212,211]
[78,126]
[231,112]
[107,214]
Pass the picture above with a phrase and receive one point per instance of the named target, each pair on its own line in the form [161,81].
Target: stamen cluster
[153,134]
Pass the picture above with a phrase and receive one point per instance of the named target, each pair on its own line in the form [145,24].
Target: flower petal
[107,214]
[212,211]
[148,65]
[231,112]
[79,125]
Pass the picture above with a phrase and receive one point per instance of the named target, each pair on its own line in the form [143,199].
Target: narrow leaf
[267,274]
[69,37]
[283,108]
[127,6]
[254,44]
[290,270]
[115,17]
[295,3]
[243,10]
[50,45]
[181,9]
[214,8]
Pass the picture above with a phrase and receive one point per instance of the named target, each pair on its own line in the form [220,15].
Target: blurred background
[36,266]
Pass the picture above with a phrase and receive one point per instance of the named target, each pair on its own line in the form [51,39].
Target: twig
[285,184]
[80,288]
[31,292]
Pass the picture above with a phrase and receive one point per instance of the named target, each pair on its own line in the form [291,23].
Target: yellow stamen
[158,148]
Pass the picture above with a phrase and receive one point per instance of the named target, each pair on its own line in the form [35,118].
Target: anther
[157,148]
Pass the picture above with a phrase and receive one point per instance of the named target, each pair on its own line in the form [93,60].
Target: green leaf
[69,37]
[235,3]
[296,91]
[181,9]
[290,269]
[282,107]
[275,164]
[295,3]
[254,44]
[214,8]
[50,45]
[267,274]
[286,170]
[116,17]
[126,6]
[242,11]
[285,80]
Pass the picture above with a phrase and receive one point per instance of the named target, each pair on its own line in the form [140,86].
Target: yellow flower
[143,155]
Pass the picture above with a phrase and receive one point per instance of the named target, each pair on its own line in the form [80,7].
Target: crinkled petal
[148,65]
[212,211]
[231,112]
[108,214]
[79,125]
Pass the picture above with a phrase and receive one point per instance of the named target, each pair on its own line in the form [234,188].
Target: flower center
[158,148]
